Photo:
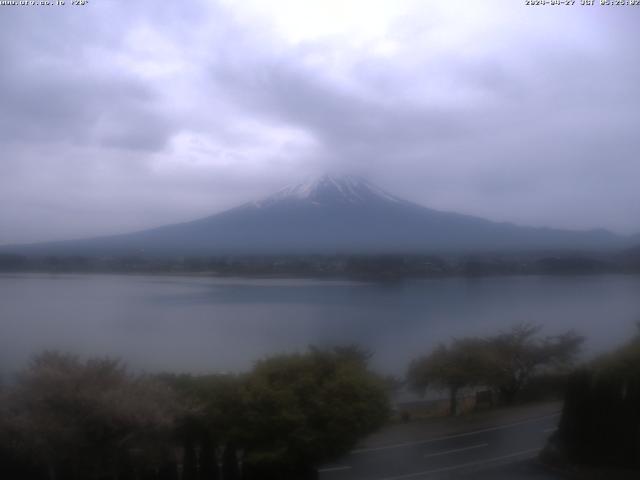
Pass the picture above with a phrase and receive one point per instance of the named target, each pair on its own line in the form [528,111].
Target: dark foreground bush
[288,415]
[600,423]
[303,410]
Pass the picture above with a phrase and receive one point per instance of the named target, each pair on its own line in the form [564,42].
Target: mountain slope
[331,215]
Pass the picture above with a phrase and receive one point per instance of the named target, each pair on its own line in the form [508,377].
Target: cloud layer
[118,117]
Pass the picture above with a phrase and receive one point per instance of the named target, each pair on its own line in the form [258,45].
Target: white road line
[333,469]
[455,450]
[447,437]
[463,465]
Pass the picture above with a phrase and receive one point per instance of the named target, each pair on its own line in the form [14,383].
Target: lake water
[212,324]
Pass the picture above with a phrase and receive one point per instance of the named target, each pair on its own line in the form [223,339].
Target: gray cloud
[56,88]
[115,118]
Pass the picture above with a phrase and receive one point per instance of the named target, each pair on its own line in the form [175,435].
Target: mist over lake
[200,324]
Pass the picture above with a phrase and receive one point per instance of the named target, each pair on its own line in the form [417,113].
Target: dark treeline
[600,425]
[64,418]
[70,419]
[353,266]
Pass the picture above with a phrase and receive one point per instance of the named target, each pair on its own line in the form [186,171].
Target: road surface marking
[462,465]
[333,469]
[548,430]
[447,437]
[455,450]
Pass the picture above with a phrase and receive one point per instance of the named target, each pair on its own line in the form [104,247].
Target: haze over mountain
[331,214]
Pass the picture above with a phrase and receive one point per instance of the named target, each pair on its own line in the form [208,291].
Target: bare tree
[505,362]
[451,367]
[513,357]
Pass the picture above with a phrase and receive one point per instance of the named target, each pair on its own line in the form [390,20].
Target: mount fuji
[331,214]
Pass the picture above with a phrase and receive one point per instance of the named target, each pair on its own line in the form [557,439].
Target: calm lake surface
[212,324]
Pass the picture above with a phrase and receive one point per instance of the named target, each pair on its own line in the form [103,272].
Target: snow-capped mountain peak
[331,189]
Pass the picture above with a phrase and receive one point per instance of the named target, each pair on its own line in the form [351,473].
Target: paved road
[498,451]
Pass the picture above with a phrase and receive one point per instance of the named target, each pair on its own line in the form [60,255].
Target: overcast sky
[118,115]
